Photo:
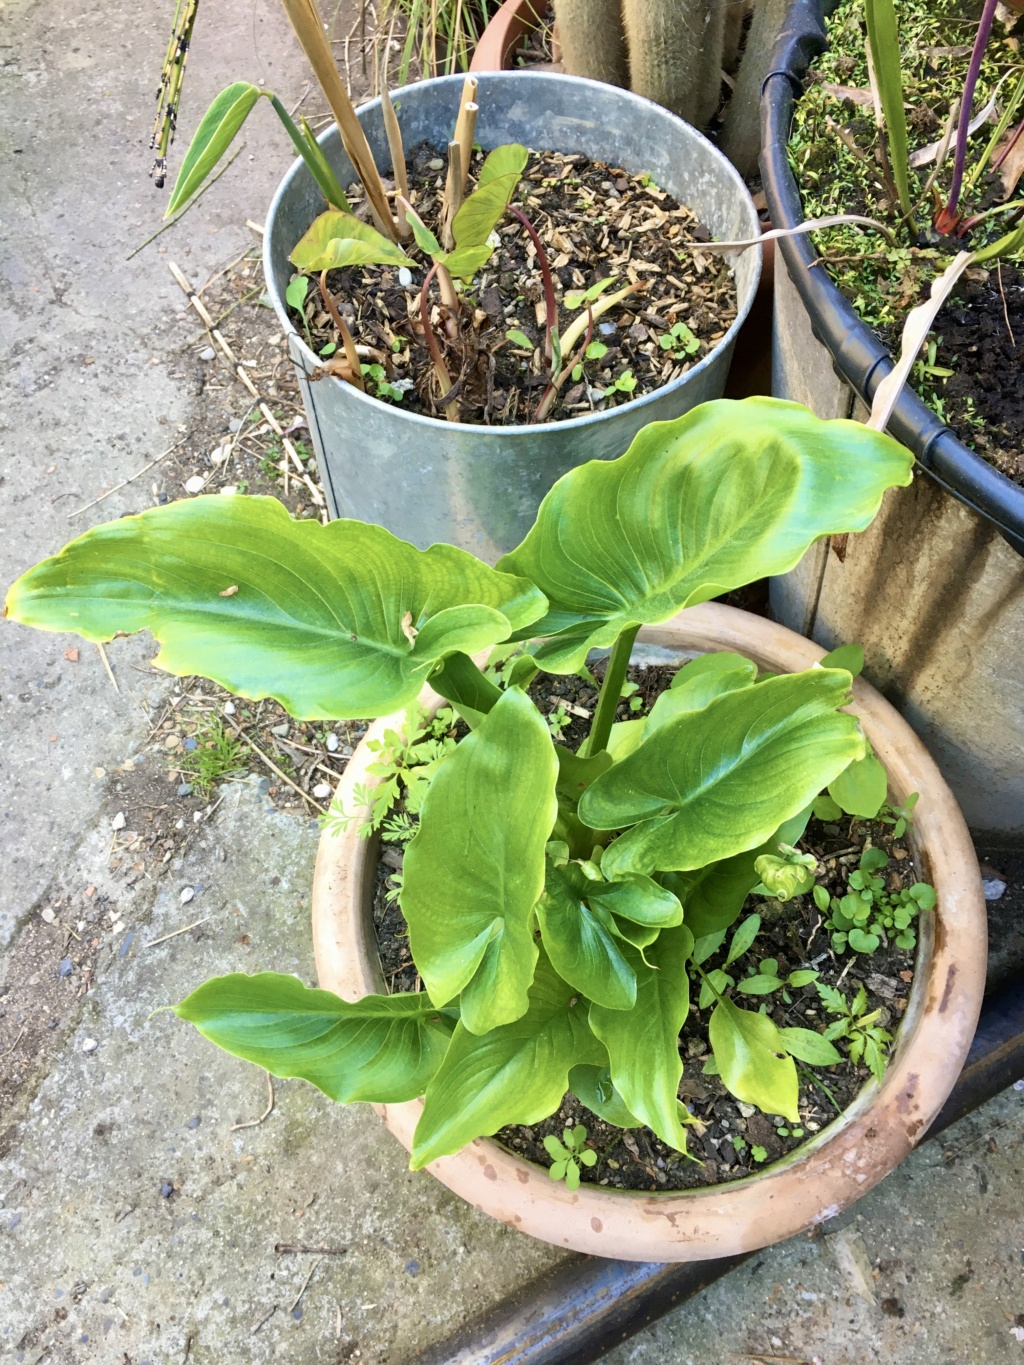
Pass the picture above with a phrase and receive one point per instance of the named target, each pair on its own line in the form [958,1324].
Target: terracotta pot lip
[503,32]
[821,1177]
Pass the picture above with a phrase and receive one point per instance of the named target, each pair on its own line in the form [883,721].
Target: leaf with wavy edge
[716,782]
[728,493]
[318,617]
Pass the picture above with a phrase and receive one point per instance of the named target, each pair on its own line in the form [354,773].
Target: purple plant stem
[967,106]
[550,306]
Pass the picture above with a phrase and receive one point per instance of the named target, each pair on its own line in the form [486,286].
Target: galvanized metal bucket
[479,487]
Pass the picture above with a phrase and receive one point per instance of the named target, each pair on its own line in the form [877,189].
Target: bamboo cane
[465,124]
[398,169]
[305,20]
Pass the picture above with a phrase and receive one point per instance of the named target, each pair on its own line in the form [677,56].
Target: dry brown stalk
[398,169]
[452,201]
[309,30]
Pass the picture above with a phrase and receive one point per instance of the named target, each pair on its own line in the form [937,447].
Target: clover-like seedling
[569,1155]
[680,341]
[868,913]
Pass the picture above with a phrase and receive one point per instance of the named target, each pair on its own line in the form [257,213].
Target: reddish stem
[949,217]
[550,306]
[444,379]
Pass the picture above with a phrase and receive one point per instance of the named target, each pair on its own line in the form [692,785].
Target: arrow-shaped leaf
[383,1048]
[475,869]
[318,617]
[715,782]
[212,138]
[515,1074]
[726,494]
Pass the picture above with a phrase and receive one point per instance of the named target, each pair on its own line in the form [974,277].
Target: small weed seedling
[406,761]
[569,1155]
[868,912]
[680,341]
[865,1038]
[218,755]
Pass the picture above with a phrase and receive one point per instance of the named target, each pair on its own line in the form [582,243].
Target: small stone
[220,454]
[412,1268]
[89,1045]
[229,708]
[207,353]
[194,1123]
[195,484]
[117,927]
[118,821]
[235,424]
[172,741]
[435,164]
[993,888]
[99,772]
[197,816]
[280,730]
[747,1110]
[322,791]
[166,1189]
[187,894]
[190,745]
[48,916]
[405,277]
[66,967]
[606,328]
[229,489]
[185,789]
[332,744]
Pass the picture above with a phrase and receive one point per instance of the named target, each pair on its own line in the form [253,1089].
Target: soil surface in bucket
[727,1139]
[596,223]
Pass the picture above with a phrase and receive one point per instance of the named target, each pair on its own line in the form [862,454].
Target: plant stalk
[444,379]
[611,688]
[309,30]
[947,219]
[465,126]
[398,167]
[316,162]
[552,345]
[348,345]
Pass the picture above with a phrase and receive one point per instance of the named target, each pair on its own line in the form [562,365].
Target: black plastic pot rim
[858,356]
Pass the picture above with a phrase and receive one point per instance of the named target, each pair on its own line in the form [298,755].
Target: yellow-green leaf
[747,1048]
[339,239]
[475,869]
[337,621]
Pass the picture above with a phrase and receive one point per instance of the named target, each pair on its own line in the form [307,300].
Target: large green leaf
[728,493]
[581,949]
[752,1059]
[714,895]
[515,1074]
[339,239]
[643,1043]
[715,782]
[475,869]
[384,1048]
[333,621]
[212,138]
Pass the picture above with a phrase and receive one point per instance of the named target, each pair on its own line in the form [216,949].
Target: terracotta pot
[503,34]
[843,1161]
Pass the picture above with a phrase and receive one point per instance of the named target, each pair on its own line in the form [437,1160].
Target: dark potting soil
[981,338]
[595,221]
[721,1141]
[833,151]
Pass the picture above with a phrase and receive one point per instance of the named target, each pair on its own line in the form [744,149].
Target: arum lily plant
[557,902]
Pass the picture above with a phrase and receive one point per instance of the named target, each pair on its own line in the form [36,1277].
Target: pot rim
[302,354]
[824,1175]
[504,30]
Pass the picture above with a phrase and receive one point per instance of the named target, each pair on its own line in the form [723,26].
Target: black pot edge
[858,357]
